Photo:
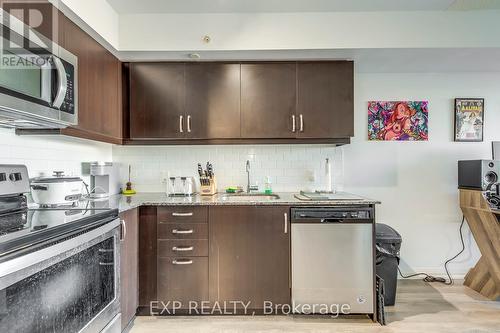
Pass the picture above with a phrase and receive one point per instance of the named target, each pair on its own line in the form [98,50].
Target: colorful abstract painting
[398,121]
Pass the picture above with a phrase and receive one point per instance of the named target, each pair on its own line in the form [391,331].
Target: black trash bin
[388,243]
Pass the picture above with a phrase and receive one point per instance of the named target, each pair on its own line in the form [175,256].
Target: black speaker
[478,174]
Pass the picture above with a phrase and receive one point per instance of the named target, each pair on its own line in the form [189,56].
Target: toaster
[181,186]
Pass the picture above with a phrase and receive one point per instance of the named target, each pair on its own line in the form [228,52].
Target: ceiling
[277,6]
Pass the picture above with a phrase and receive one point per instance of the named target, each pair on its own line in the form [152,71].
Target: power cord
[430,278]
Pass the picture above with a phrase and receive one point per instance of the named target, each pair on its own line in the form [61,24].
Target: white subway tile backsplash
[290,167]
[45,154]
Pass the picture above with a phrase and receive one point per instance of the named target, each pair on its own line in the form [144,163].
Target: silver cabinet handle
[182,214]
[124,230]
[182,232]
[182,262]
[181,125]
[182,248]
[301,123]
[294,125]
[106,263]
[189,123]
[286,222]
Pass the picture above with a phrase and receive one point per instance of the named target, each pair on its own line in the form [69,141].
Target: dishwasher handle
[332,220]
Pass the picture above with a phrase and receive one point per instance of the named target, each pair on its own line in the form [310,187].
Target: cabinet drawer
[183,248]
[183,279]
[182,231]
[189,214]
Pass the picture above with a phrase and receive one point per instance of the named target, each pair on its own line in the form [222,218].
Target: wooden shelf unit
[484,224]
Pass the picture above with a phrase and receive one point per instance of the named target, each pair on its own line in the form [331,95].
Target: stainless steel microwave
[38,79]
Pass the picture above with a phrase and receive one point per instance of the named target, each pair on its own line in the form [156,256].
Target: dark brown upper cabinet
[100,114]
[258,102]
[268,100]
[325,107]
[212,101]
[184,101]
[157,92]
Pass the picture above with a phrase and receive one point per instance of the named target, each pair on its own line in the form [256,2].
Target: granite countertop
[124,203]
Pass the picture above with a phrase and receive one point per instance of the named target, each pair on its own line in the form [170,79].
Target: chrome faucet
[247,168]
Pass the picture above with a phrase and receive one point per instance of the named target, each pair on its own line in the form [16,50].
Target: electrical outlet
[311,176]
[165,175]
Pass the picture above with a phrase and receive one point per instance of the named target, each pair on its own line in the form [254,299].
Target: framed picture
[469,119]
[398,121]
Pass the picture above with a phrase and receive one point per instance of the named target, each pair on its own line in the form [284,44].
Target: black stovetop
[24,225]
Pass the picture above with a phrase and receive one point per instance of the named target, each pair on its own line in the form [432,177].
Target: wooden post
[485,227]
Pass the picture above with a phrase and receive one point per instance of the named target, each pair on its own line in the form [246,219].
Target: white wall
[45,154]
[302,31]
[98,14]
[416,181]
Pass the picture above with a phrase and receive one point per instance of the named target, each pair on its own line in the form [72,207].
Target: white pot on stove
[57,190]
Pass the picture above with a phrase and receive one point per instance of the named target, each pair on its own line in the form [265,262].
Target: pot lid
[57,178]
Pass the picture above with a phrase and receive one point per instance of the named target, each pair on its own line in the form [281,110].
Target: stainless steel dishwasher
[332,259]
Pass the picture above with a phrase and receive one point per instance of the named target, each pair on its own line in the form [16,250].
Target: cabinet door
[249,254]
[129,266]
[183,279]
[268,100]
[100,114]
[148,255]
[325,106]
[157,100]
[212,100]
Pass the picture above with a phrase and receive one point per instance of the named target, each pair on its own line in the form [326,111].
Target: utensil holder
[210,188]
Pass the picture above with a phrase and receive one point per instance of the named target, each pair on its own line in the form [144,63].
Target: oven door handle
[17,269]
[124,230]
[62,83]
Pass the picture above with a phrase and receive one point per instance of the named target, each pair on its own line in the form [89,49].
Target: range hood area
[20,120]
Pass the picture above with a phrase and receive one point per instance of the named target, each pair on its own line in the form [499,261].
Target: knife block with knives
[208,181]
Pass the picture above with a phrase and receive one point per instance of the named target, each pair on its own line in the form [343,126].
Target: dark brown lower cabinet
[182,257]
[147,256]
[183,280]
[249,255]
[129,266]
[215,254]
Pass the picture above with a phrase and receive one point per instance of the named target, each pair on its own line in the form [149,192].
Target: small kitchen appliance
[478,174]
[181,186]
[57,190]
[104,179]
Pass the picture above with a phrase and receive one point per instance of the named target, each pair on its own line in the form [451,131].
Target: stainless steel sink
[242,197]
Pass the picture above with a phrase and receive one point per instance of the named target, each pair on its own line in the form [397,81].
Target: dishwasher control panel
[332,215]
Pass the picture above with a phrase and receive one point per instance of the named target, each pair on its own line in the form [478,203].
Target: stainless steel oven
[38,79]
[68,285]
